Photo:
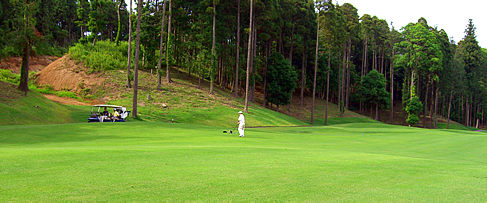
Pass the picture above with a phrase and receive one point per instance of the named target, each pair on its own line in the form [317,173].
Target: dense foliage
[104,55]
[281,77]
[202,38]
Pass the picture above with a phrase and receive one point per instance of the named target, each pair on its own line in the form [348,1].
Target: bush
[281,78]
[46,90]
[66,94]
[413,107]
[8,76]
[104,55]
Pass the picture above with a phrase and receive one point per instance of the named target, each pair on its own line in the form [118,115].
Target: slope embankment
[34,108]
[66,74]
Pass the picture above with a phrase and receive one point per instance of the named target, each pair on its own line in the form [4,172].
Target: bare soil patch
[36,63]
[66,74]
[65,100]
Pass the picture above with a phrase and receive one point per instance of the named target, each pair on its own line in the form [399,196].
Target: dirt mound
[36,63]
[65,74]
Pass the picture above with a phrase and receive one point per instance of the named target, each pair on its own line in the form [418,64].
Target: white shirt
[241,119]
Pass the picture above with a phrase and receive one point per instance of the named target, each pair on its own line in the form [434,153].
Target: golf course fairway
[182,162]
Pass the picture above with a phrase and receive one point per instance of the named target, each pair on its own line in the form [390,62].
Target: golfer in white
[241,123]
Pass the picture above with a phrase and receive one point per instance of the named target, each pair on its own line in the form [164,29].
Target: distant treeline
[221,41]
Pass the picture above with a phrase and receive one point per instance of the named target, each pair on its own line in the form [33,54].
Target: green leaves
[373,89]
[281,78]
[413,107]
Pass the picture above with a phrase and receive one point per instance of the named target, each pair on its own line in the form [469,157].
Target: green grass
[185,103]
[35,108]
[177,162]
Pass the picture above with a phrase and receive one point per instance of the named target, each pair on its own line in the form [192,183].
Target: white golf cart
[106,113]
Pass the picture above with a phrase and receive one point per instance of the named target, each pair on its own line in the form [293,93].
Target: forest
[267,51]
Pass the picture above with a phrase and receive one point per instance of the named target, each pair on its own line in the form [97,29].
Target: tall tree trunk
[431,109]
[118,20]
[348,73]
[435,120]
[374,66]
[24,70]
[213,48]
[237,58]
[449,109]
[249,55]
[376,111]
[316,70]
[412,85]
[303,78]
[168,43]
[382,62]
[161,45]
[254,54]
[467,111]
[291,49]
[392,84]
[366,56]
[342,102]
[267,52]
[425,109]
[340,80]
[327,87]
[129,52]
[136,59]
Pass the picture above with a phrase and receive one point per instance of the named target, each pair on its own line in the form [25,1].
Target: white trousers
[241,129]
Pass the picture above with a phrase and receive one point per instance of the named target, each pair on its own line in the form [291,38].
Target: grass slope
[176,162]
[183,102]
[34,108]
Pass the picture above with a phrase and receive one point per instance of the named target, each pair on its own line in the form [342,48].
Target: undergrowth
[104,55]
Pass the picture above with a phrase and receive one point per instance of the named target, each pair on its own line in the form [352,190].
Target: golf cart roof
[106,105]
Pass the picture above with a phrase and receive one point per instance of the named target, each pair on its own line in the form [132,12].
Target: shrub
[8,76]
[66,94]
[104,55]
[46,90]
[413,107]
[281,78]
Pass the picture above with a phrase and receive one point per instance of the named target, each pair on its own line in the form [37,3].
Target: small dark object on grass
[229,132]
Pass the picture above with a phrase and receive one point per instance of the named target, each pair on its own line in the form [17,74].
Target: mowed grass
[177,162]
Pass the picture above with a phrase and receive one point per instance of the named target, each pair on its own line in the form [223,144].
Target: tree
[129,51]
[316,68]
[118,21]
[168,43]
[281,80]
[413,107]
[213,52]
[373,91]
[473,59]
[27,39]
[83,15]
[159,70]
[249,53]
[136,61]
[237,56]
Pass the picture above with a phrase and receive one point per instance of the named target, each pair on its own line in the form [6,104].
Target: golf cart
[99,116]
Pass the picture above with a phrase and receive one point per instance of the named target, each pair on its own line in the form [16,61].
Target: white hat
[240,112]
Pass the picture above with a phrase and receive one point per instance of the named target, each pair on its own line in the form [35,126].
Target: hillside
[35,108]
[180,101]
